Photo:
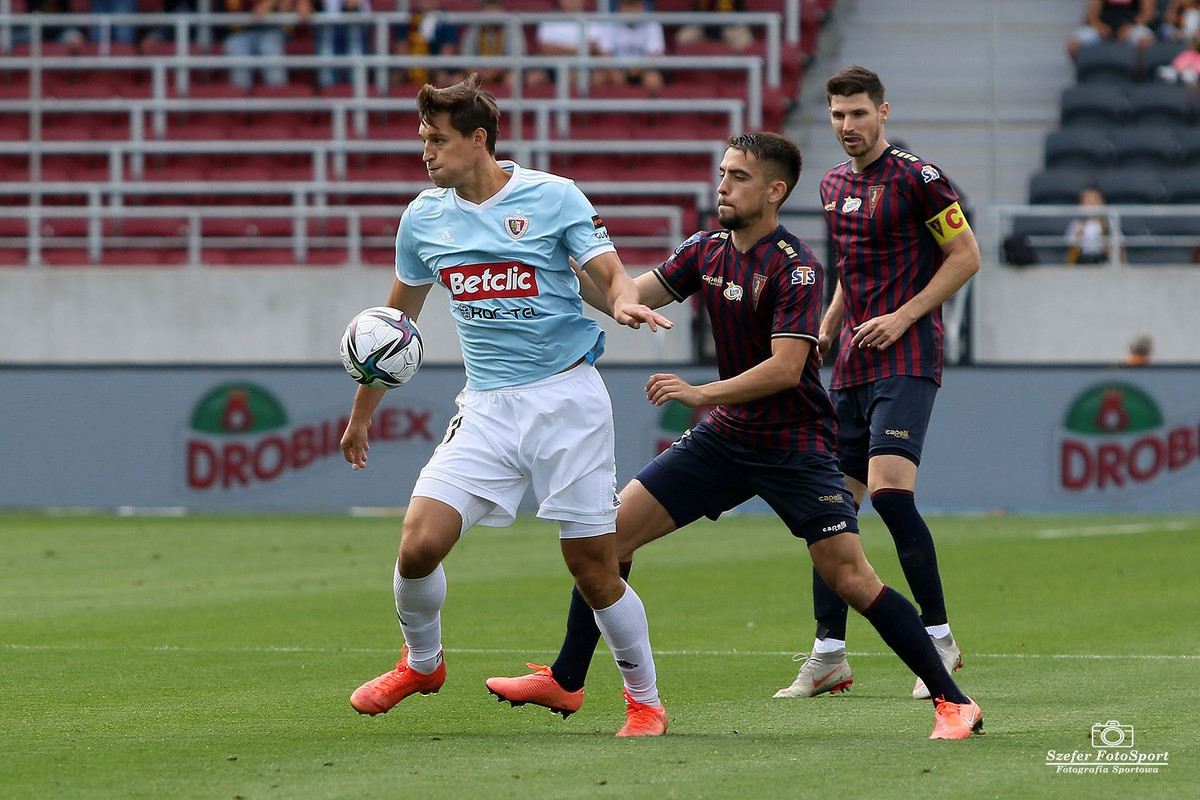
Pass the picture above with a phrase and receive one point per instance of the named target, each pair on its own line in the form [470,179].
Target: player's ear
[883,111]
[776,192]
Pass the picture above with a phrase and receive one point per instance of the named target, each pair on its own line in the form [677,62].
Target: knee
[421,549]
[598,581]
[857,584]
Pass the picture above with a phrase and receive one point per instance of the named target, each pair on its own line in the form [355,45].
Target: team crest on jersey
[873,198]
[756,287]
[929,173]
[804,275]
[851,204]
[733,291]
[516,226]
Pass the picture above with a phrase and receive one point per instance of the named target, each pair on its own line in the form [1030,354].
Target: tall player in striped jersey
[903,248]
[772,433]
[535,411]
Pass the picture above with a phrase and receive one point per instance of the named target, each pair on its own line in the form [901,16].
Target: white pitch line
[485,651]
[1113,530]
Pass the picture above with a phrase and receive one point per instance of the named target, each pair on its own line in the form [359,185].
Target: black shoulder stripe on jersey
[678,297]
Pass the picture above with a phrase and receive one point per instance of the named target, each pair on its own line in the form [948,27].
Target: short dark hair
[781,155]
[470,107]
[854,80]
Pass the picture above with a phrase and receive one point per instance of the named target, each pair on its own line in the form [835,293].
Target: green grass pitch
[213,657]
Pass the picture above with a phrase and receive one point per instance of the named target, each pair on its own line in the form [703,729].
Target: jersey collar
[498,197]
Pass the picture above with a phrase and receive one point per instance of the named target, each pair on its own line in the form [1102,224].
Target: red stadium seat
[13,257]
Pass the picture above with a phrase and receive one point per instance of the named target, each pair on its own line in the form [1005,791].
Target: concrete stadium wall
[235,316]
[1085,314]
[266,439]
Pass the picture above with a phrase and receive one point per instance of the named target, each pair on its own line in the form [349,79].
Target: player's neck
[746,238]
[484,183]
[859,163]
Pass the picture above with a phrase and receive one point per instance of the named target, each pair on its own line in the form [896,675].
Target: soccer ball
[382,348]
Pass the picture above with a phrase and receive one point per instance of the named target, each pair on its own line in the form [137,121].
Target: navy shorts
[706,474]
[885,417]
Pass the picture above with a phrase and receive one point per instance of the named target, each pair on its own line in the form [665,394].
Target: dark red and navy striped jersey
[772,290]
[886,223]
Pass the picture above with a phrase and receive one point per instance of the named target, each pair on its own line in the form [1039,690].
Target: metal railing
[117,202]
[198,27]
[1124,237]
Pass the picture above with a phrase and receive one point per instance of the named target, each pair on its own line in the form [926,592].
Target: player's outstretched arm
[783,370]
[410,300]
[605,285]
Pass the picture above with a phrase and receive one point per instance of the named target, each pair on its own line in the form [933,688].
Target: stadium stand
[117,154]
[1136,137]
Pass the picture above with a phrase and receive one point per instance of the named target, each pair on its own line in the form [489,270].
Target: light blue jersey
[513,294]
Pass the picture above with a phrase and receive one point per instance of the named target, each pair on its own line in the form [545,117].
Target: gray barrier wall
[1070,440]
[1060,314]
[241,315]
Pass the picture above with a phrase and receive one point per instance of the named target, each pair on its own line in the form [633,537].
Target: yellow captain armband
[948,224]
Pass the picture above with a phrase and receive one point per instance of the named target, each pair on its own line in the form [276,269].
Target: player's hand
[824,342]
[880,333]
[664,386]
[355,447]
[634,314]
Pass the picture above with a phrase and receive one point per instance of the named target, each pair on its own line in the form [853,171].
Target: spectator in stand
[1115,20]
[340,40]
[1088,238]
[738,37]
[61,34]
[565,37]
[1185,67]
[427,34]
[122,33]
[1141,347]
[633,39]
[490,39]
[1181,19]
[264,39]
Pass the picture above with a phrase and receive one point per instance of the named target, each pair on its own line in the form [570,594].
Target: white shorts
[556,434]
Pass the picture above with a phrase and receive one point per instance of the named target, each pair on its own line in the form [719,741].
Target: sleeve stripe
[678,297]
[807,336]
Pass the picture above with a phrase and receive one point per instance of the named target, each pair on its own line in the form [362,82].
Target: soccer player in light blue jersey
[499,239]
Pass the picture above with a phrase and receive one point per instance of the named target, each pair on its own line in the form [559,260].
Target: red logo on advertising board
[1116,438]
[490,281]
[241,437]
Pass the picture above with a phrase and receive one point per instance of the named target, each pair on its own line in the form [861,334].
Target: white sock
[419,606]
[828,645]
[625,630]
[938,631]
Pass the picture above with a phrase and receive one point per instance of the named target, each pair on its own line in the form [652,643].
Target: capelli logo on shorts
[841,526]
[898,434]
[830,498]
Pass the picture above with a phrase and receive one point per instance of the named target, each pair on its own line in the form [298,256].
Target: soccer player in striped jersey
[771,435]
[903,248]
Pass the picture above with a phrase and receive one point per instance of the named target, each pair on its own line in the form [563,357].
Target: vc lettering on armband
[948,224]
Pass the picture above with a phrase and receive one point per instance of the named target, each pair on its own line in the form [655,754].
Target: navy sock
[829,608]
[914,546]
[898,624]
[570,669]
